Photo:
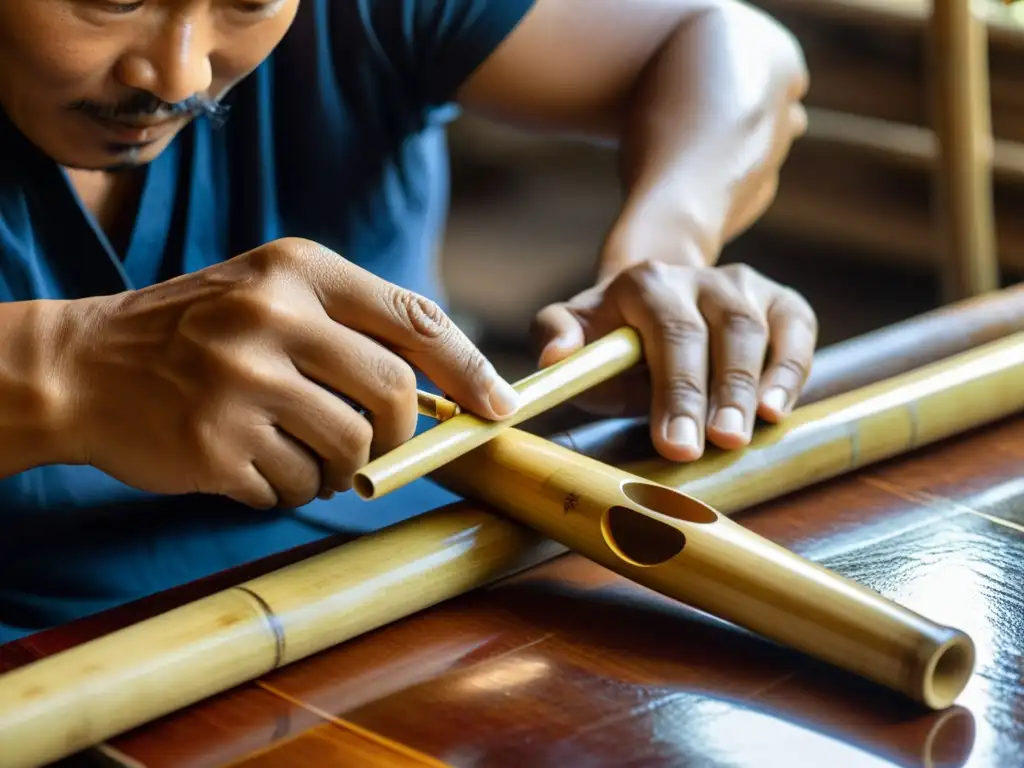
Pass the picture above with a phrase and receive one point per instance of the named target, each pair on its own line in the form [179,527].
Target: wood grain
[568,664]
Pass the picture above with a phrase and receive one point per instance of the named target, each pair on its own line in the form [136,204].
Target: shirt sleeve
[428,48]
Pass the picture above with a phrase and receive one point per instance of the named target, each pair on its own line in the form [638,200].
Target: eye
[115,7]
[255,6]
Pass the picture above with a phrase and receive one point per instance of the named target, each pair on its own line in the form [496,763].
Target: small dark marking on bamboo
[571,502]
[276,627]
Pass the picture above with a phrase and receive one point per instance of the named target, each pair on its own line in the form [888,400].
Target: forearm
[33,393]
[701,138]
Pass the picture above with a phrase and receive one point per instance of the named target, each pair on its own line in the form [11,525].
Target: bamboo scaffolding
[78,698]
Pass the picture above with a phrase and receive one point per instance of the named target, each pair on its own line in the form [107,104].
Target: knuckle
[742,274]
[743,320]
[284,253]
[799,308]
[420,315]
[475,367]
[269,258]
[239,373]
[739,381]
[303,484]
[638,276]
[265,310]
[684,392]
[681,330]
[798,370]
[356,436]
[395,379]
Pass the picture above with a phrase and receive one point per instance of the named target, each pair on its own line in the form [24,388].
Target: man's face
[103,84]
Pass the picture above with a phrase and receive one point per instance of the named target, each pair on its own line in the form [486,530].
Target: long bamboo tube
[82,696]
[900,347]
[596,362]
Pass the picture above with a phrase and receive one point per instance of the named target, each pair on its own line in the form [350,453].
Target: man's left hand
[722,346]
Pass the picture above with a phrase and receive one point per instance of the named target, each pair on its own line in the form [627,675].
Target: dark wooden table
[570,666]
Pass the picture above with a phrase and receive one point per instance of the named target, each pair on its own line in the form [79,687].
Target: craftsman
[218,227]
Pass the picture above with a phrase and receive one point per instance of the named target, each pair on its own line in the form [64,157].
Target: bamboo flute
[642,526]
[596,362]
[79,697]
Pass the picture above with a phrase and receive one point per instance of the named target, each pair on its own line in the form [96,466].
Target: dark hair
[147,104]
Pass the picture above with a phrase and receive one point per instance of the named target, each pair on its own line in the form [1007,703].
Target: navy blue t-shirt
[338,137]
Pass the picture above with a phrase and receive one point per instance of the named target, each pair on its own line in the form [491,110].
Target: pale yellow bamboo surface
[82,696]
[674,544]
[596,362]
[87,694]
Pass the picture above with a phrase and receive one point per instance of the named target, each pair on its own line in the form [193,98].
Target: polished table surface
[569,665]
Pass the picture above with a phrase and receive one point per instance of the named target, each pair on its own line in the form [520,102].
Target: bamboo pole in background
[963,207]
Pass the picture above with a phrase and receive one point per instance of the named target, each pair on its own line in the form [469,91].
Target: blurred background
[853,226]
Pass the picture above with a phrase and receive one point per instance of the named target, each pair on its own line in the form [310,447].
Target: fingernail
[775,398]
[504,400]
[682,431]
[729,420]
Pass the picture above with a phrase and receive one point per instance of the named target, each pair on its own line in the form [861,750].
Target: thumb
[559,333]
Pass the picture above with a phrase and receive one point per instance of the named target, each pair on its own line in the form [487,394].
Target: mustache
[150,106]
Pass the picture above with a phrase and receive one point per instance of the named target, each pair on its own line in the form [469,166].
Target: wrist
[34,397]
[665,225]
[54,389]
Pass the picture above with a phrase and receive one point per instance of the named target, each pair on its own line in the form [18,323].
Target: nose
[174,64]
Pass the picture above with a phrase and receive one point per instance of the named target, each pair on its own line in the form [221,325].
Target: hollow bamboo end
[946,671]
[364,486]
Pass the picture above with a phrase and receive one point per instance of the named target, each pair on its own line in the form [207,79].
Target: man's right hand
[227,380]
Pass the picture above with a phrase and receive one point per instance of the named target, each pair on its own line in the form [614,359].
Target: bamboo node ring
[277,629]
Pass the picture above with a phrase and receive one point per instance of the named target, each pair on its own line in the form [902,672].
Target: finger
[797,120]
[559,333]
[794,334]
[290,468]
[356,366]
[739,339]
[419,331]
[675,342]
[330,427]
[252,489]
